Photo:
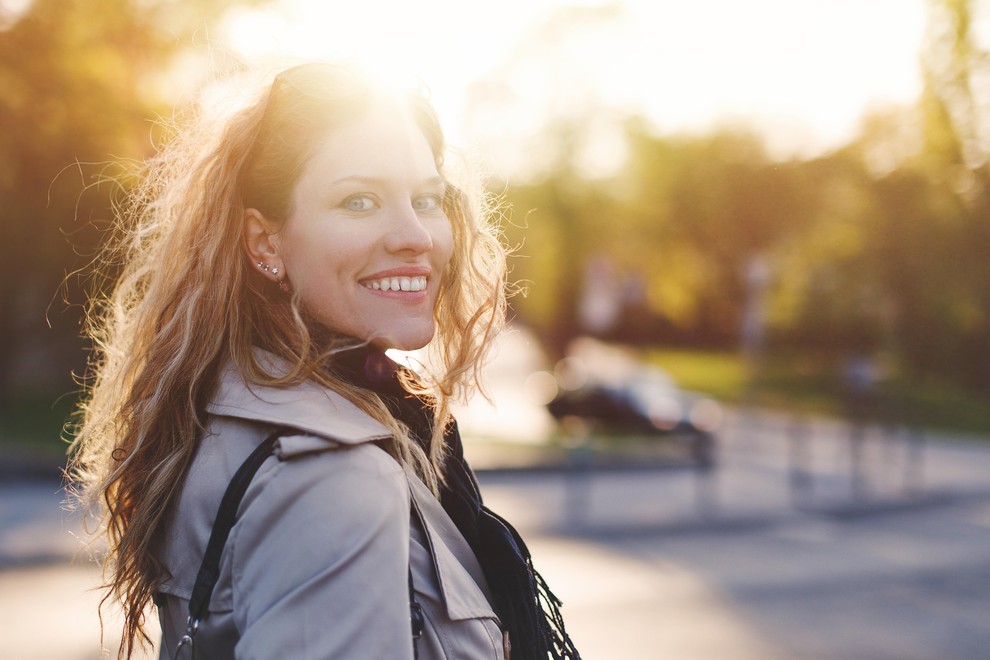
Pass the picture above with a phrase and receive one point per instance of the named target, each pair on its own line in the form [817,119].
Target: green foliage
[685,216]
[812,383]
[78,79]
[32,425]
[880,246]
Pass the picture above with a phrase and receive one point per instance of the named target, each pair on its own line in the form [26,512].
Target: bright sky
[802,72]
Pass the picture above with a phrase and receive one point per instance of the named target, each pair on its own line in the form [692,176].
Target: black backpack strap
[209,569]
[415,616]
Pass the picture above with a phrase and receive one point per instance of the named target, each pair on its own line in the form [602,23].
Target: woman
[270,257]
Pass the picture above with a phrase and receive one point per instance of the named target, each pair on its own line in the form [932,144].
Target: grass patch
[940,405]
[812,384]
[720,374]
[32,424]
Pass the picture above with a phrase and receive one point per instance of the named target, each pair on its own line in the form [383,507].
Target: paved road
[890,562]
[913,584]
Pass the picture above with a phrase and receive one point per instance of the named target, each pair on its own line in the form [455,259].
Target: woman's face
[367,241]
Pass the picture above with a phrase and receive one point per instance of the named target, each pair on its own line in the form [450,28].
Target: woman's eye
[427,203]
[359,203]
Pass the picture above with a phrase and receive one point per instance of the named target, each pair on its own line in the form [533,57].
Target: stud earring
[282,284]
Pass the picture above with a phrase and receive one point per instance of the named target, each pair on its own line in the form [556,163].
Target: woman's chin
[406,339]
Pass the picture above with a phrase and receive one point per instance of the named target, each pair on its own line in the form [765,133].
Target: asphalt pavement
[809,540]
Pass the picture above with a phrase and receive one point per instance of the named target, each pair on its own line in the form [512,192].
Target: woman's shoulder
[324,442]
[307,407]
[307,459]
[306,476]
[359,483]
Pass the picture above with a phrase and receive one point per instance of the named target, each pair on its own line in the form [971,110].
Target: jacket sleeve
[320,563]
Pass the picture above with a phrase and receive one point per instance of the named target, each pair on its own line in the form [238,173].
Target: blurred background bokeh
[779,212]
[808,181]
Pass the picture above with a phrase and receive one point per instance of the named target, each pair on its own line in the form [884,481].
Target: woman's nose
[408,233]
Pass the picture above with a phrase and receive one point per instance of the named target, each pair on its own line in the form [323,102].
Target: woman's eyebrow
[433,181]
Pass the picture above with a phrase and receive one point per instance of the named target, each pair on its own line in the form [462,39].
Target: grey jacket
[316,564]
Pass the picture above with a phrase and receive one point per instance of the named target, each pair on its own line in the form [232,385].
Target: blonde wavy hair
[187,301]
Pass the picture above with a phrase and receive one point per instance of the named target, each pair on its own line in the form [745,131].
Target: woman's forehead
[384,143]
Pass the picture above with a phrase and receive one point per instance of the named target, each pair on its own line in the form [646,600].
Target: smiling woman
[371,196]
[271,257]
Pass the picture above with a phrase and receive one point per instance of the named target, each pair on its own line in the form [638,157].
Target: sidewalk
[654,559]
[770,469]
[751,564]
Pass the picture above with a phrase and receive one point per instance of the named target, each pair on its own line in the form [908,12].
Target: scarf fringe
[558,642]
[538,632]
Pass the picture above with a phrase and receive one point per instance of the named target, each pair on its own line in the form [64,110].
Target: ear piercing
[282,284]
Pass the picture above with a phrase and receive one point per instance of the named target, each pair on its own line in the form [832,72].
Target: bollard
[914,466]
[857,479]
[577,480]
[799,466]
[703,454]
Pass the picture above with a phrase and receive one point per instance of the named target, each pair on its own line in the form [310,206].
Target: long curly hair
[187,301]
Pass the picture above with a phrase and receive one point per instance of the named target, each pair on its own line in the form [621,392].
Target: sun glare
[12,10]
[801,72]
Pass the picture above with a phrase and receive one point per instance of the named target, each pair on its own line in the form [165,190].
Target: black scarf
[529,611]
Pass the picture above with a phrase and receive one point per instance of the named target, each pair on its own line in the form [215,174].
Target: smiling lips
[397,283]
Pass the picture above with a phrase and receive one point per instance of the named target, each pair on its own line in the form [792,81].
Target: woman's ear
[260,241]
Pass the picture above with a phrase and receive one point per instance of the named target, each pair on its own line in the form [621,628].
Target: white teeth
[397,284]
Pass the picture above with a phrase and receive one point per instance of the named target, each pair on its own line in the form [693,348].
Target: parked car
[609,392]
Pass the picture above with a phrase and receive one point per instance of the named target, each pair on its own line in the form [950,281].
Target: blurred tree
[856,279]
[550,229]
[713,205]
[682,221]
[563,215]
[880,245]
[956,104]
[78,81]
[895,256]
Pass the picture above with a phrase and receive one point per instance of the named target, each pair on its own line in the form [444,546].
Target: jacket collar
[308,407]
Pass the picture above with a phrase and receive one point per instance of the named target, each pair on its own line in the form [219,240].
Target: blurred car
[608,392]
